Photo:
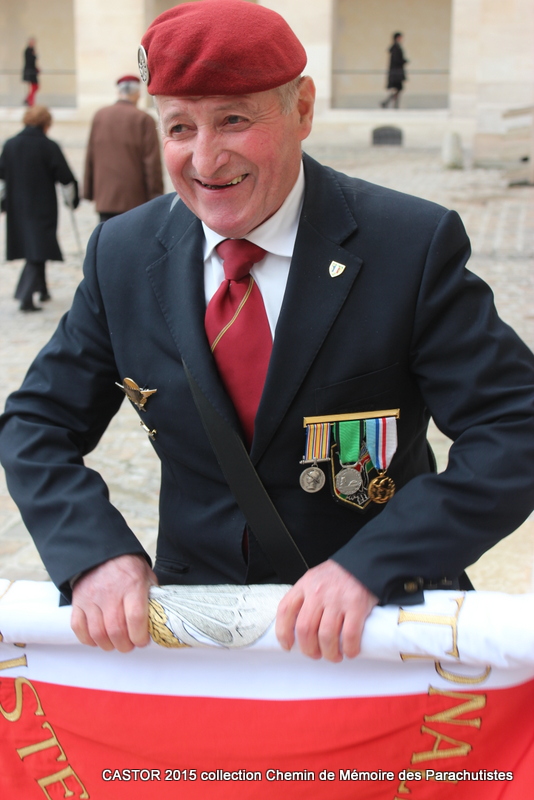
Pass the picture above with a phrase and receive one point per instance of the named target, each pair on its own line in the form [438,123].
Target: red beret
[219,47]
[128,78]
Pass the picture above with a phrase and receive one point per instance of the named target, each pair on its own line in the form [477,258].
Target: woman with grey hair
[31,164]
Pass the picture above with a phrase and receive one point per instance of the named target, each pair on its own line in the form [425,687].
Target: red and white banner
[440,704]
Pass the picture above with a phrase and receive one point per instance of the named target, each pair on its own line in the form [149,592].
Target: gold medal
[381,488]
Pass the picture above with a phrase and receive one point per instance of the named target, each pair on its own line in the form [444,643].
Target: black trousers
[32,279]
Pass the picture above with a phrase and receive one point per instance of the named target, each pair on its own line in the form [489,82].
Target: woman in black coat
[396,74]
[30,72]
[31,164]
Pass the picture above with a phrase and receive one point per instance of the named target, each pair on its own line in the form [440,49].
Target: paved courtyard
[500,222]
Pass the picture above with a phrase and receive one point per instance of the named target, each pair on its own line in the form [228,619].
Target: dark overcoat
[31,164]
[396,73]
[30,72]
[400,324]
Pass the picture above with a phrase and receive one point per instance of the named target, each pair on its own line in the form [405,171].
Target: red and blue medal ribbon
[381,438]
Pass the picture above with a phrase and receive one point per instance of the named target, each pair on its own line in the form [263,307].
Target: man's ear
[305,105]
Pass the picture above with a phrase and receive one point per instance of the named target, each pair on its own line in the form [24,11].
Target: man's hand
[110,604]
[326,610]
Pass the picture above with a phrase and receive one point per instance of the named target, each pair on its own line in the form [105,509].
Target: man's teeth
[220,185]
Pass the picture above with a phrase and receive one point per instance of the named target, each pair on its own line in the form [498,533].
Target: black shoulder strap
[262,517]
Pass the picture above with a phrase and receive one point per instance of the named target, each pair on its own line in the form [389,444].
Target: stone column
[107,37]
[313,26]
[492,64]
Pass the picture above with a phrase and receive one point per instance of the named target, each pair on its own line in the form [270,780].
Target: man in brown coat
[123,161]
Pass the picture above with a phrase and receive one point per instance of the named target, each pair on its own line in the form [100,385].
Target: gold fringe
[158,629]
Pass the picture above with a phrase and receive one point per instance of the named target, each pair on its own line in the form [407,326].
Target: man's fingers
[110,604]
[78,622]
[307,627]
[136,613]
[329,635]
[325,611]
[351,638]
[286,617]
[92,627]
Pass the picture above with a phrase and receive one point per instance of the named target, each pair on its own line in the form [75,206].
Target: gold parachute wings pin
[134,393]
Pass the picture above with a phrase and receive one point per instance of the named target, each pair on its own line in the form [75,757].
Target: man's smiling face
[234,160]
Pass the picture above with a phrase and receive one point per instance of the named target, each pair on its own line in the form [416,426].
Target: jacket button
[411,586]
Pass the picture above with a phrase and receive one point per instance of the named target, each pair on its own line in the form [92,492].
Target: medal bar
[330,418]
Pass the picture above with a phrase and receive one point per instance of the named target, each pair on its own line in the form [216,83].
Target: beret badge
[143,64]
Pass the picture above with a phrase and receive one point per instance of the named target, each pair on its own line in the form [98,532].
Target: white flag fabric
[442,693]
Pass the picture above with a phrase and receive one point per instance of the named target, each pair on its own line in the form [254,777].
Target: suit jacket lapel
[312,300]
[178,283]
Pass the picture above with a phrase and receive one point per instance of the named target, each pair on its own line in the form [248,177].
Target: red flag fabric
[257,722]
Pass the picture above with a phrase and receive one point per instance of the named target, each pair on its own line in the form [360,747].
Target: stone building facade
[470,62]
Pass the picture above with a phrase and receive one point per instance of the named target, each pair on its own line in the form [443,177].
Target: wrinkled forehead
[170,106]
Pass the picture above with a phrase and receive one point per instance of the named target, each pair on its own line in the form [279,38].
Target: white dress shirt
[277,236]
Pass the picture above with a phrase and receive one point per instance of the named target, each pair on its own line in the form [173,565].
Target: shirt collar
[278,233]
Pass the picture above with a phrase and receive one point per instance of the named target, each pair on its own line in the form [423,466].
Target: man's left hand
[325,612]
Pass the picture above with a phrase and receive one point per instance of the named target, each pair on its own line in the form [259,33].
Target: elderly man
[123,159]
[305,312]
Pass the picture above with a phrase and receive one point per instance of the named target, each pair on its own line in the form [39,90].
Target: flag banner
[439,704]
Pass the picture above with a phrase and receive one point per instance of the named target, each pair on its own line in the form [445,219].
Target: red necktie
[238,330]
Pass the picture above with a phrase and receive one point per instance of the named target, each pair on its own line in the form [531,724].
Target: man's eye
[178,129]
[234,119]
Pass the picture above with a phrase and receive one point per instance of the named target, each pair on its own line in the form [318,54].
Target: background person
[123,161]
[30,72]
[31,164]
[396,74]
[363,303]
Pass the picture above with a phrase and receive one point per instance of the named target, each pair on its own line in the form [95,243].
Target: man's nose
[209,154]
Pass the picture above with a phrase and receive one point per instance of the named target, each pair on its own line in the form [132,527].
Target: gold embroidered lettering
[14,716]
[437,619]
[461,748]
[14,662]
[35,748]
[465,679]
[59,777]
[472,702]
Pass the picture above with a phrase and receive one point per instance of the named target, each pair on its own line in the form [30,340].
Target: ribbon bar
[330,418]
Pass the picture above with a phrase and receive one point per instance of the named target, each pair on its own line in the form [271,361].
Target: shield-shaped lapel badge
[336,269]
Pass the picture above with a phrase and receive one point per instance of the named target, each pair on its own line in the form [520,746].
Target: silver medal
[312,479]
[348,481]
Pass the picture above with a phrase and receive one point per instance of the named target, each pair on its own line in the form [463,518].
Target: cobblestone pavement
[500,223]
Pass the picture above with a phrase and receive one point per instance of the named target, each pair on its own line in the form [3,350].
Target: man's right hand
[110,604]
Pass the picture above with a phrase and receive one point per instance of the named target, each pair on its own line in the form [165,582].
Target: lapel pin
[336,269]
[137,396]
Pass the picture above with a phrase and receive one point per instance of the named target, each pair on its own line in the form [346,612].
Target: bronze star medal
[134,393]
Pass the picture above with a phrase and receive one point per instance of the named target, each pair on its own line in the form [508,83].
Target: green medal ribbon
[349,438]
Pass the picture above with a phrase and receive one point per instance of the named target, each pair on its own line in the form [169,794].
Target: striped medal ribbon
[318,436]
[349,438]
[381,439]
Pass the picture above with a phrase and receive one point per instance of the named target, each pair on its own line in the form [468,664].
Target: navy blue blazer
[405,325]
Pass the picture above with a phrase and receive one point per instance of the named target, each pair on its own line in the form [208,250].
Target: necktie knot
[239,256]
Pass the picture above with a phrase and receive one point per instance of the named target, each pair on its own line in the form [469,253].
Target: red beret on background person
[128,79]
[366,305]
